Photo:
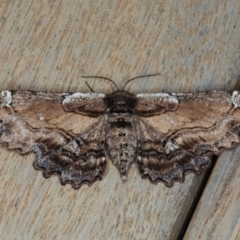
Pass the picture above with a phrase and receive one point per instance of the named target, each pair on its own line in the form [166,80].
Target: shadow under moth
[167,135]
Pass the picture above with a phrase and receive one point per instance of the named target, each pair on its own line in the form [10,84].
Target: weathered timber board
[48,45]
[218,212]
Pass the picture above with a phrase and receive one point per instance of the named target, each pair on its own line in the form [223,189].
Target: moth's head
[121,101]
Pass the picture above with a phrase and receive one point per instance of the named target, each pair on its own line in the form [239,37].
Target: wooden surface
[49,45]
[217,215]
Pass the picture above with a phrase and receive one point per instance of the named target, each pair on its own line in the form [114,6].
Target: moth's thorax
[121,102]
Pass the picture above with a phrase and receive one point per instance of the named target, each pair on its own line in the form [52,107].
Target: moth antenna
[89,87]
[148,75]
[102,78]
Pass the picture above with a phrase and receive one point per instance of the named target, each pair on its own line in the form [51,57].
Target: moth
[166,135]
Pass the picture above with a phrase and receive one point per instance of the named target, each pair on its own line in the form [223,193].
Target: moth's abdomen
[121,141]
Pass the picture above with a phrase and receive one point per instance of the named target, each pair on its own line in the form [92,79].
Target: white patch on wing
[236,99]
[170,98]
[7,98]
[169,147]
[76,96]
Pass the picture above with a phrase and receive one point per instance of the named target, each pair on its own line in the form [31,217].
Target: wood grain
[218,212]
[48,45]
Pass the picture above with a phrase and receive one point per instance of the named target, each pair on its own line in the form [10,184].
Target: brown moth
[167,135]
